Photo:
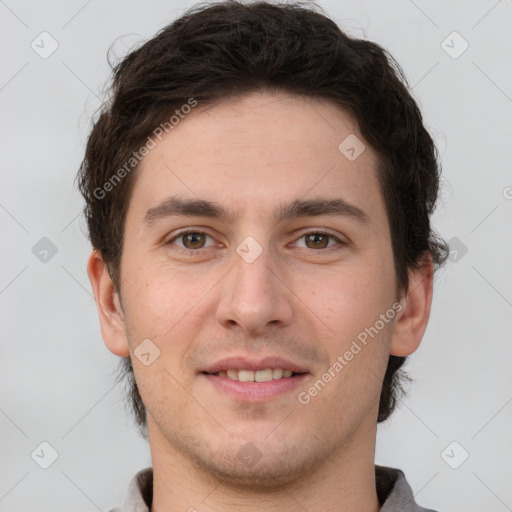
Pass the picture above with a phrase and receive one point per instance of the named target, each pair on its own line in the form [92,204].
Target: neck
[345,481]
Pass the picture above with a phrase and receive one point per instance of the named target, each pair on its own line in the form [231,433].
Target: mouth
[266,375]
[246,381]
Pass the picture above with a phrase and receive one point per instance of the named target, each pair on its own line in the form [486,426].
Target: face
[285,262]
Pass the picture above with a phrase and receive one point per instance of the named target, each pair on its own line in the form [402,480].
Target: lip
[246,363]
[255,391]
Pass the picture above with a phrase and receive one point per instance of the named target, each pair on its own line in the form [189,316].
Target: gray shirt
[393,492]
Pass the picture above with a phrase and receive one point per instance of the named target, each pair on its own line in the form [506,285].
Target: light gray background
[56,375]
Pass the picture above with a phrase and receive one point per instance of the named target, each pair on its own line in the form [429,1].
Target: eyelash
[196,231]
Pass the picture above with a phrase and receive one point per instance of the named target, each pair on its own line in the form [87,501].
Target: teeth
[277,373]
[265,375]
[246,376]
[233,374]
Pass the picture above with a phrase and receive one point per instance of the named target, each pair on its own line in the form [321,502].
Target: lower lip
[256,391]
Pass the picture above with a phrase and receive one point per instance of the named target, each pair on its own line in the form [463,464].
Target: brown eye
[190,240]
[193,240]
[318,240]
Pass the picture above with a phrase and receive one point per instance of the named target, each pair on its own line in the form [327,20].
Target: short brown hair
[215,52]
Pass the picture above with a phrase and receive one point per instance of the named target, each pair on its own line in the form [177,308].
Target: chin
[263,466]
[264,475]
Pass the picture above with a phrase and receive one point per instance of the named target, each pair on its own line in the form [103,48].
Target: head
[249,111]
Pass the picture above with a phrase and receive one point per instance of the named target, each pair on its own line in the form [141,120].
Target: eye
[319,240]
[191,240]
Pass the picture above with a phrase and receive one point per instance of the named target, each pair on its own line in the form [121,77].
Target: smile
[265,375]
[255,386]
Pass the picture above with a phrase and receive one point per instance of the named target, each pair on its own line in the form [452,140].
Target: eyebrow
[179,207]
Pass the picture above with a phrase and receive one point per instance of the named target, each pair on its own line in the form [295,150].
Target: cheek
[350,299]
[355,389]
[157,376]
[168,308]
[157,298]
[350,308]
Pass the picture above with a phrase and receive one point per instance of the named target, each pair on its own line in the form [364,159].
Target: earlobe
[411,322]
[111,315]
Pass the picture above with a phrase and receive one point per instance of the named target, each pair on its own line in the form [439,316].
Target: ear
[411,321]
[112,322]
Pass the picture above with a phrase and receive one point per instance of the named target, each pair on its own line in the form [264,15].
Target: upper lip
[247,363]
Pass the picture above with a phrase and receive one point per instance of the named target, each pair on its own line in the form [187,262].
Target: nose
[255,295]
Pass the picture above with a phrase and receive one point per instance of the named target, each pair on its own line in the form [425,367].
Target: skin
[295,300]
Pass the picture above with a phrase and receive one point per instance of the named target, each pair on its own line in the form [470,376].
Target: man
[258,197]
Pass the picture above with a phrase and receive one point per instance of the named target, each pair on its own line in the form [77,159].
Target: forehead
[251,152]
